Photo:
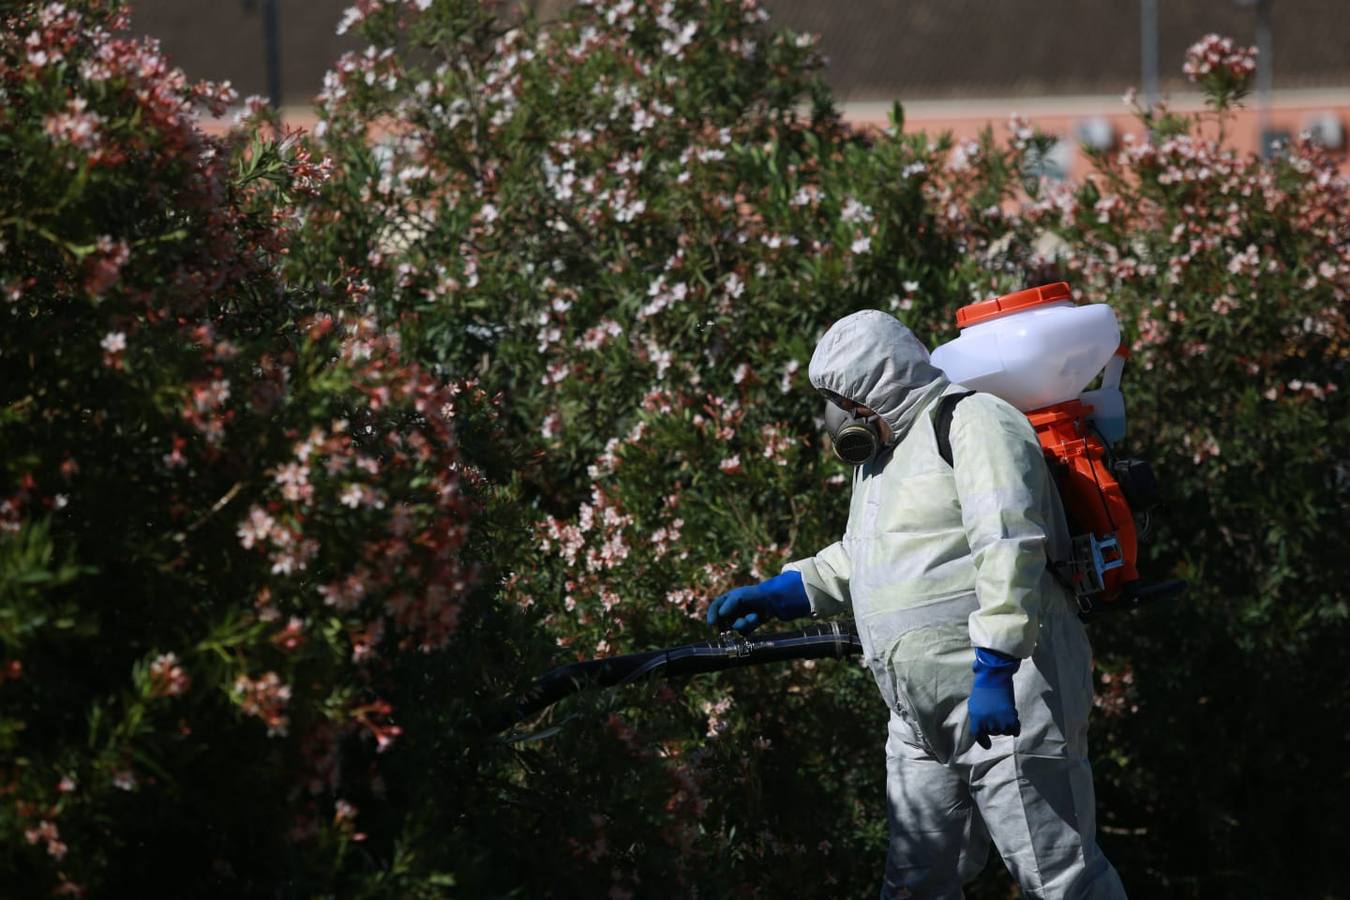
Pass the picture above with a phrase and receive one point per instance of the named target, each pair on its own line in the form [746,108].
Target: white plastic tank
[1034,348]
[1108,403]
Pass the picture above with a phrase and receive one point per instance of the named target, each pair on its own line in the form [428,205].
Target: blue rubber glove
[990,707]
[781,597]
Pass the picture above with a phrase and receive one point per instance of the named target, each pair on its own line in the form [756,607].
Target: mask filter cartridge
[856,439]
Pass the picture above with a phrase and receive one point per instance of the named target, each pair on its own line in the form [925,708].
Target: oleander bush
[237,522]
[504,367]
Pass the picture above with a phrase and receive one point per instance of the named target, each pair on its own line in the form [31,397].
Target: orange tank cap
[1011,303]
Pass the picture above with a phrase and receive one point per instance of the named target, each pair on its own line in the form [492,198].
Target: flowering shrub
[1231,277]
[233,517]
[636,221]
[629,227]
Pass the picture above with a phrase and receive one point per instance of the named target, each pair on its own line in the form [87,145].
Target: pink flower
[731,465]
[715,713]
[294,480]
[374,717]
[1206,448]
[346,594]
[598,335]
[208,396]
[175,459]
[75,126]
[105,266]
[1215,54]
[167,677]
[292,636]
[256,528]
[47,832]
[292,553]
[364,641]
[569,538]
[308,176]
[266,698]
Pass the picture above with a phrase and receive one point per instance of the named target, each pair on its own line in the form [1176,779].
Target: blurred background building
[955,64]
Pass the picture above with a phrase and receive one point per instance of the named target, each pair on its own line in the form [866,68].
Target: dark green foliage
[626,229]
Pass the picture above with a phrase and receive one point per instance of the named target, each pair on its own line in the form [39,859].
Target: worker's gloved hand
[781,597]
[991,709]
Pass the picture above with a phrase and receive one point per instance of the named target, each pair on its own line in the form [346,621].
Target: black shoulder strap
[943,423]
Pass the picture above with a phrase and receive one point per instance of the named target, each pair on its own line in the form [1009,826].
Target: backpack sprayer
[1037,350]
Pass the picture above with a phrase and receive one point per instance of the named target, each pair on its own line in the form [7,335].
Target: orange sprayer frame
[1091,495]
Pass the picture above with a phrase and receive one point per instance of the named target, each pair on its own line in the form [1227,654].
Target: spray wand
[729,651]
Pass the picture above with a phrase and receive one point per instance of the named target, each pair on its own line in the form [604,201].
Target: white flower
[257,527]
[674,46]
[552,425]
[114,342]
[350,17]
[855,212]
[861,245]
[734,286]
[642,120]
[630,211]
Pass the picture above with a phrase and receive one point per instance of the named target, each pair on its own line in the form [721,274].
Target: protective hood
[869,357]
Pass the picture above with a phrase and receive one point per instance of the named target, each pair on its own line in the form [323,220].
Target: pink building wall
[1291,112]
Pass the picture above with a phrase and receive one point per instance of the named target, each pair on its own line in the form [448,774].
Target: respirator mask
[856,439]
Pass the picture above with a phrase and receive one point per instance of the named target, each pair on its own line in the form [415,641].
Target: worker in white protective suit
[971,639]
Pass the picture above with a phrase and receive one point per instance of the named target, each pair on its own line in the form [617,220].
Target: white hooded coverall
[936,560]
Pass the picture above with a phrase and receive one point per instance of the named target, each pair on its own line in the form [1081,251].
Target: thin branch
[215,508]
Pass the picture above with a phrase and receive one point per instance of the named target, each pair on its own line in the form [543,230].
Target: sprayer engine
[1101,498]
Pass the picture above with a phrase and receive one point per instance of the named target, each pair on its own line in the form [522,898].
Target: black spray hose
[729,651]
